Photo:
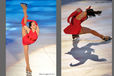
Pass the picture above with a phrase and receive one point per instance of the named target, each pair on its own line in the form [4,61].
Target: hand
[89,7]
[68,21]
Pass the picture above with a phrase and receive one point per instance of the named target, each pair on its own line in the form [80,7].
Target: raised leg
[25,12]
[25,19]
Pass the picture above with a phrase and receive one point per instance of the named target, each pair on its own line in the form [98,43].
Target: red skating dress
[31,37]
[75,25]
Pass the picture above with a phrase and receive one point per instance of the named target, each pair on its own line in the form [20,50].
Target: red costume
[30,37]
[75,25]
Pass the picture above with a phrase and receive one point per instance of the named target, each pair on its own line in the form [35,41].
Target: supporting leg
[27,58]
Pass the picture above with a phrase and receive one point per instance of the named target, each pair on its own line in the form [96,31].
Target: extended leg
[85,30]
[25,12]
[25,19]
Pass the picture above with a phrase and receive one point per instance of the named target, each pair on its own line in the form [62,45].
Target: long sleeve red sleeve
[73,14]
[23,24]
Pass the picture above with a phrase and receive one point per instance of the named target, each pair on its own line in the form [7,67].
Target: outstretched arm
[23,22]
[68,19]
[72,14]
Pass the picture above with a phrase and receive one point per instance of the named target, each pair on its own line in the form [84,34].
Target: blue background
[42,11]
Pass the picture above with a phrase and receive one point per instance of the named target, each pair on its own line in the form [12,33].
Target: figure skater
[29,35]
[75,20]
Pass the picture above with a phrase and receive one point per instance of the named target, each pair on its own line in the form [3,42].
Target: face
[33,25]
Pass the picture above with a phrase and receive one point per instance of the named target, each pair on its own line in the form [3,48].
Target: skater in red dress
[29,34]
[75,20]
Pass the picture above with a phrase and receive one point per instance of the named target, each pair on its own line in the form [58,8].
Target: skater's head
[32,25]
[92,13]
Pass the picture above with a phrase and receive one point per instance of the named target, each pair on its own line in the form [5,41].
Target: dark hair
[91,12]
[30,24]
